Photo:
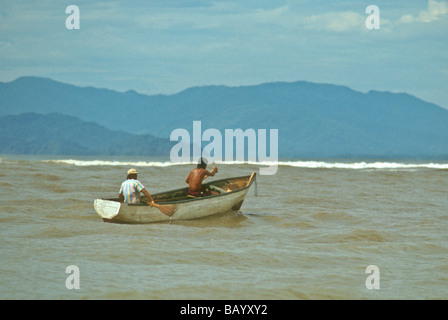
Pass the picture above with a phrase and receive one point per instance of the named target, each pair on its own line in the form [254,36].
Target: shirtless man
[196,177]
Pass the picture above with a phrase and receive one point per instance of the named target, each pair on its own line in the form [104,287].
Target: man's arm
[120,194]
[146,193]
[212,172]
[188,178]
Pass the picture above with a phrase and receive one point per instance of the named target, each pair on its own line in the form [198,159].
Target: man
[196,177]
[131,188]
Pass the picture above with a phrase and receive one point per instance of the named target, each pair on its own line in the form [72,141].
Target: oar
[165,208]
[252,176]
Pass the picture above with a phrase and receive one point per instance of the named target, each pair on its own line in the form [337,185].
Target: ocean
[331,229]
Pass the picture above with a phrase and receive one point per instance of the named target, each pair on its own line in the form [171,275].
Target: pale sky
[166,46]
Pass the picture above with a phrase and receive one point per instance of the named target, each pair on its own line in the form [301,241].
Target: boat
[226,195]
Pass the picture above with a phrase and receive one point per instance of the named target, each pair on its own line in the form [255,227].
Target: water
[310,233]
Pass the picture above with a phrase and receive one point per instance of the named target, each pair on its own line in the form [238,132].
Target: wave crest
[297,164]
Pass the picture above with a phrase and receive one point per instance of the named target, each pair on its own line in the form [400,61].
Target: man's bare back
[196,177]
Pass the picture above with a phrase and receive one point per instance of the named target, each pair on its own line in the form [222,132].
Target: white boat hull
[114,211]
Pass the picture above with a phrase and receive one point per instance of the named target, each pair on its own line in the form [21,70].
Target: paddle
[252,176]
[165,209]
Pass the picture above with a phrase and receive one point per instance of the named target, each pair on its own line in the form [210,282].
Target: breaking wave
[90,163]
[363,165]
[297,164]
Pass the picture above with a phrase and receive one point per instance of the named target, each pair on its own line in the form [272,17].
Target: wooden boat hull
[229,195]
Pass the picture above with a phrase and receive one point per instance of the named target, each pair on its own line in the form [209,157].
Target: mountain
[54,133]
[314,120]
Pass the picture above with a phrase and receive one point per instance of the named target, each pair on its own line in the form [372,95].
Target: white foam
[89,163]
[363,165]
[297,164]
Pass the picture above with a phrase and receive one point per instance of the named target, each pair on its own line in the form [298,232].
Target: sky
[166,46]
